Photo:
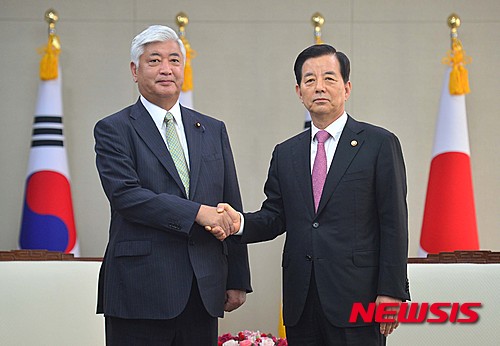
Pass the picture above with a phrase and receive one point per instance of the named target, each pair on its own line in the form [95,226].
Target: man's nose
[165,67]
[320,86]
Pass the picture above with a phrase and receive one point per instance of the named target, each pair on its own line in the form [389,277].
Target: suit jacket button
[316,225]
[309,257]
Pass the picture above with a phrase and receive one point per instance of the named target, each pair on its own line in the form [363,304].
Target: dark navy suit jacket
[155,248]
[357,242]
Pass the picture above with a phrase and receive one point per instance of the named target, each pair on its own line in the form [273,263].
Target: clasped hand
[221,221]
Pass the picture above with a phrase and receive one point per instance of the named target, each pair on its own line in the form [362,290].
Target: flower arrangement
[250,338]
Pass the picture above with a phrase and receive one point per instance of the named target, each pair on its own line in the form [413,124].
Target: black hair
[318,50]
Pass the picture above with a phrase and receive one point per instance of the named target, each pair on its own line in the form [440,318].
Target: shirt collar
[334,129]
[158,113]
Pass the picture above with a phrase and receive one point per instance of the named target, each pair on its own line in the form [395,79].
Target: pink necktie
[319,168]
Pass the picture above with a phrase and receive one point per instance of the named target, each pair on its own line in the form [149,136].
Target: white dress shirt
[335,130]
[158,115]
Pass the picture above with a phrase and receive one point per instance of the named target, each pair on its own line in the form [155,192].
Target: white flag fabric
[48,219]
[449,222]
[186,99]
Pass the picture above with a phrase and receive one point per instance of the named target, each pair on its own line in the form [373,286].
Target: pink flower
[250,338]
[267,342]
[230,343]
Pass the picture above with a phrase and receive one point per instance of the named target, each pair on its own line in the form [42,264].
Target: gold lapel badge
[354,143]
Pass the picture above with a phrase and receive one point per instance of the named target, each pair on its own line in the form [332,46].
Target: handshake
[222,221]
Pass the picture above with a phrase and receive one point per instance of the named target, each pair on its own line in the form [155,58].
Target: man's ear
[348,88]
[133,69]
[299,93]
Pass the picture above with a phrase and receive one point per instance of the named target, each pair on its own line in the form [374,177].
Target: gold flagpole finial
[456,58]
[182,21]
[317,20]
[51,17]
[454,23]
[50,59]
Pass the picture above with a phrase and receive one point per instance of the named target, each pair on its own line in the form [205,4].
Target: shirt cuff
[242,224]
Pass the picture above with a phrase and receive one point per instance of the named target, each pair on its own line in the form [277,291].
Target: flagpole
[449,220]
[186,97]
[48,219]
[317,20]
[51,17]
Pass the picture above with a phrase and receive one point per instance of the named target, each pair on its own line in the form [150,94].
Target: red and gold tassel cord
[457,59]
[50,58]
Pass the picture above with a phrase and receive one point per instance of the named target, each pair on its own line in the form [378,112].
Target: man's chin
[320,111]
[168,91]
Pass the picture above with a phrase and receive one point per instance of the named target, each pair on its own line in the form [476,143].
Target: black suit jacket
[357,242]
[155,248]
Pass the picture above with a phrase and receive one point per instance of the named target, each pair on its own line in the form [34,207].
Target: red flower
[246,338]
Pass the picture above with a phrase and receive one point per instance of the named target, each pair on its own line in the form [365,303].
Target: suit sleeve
[238,265]
[118,173]
[268,222]
[392,210]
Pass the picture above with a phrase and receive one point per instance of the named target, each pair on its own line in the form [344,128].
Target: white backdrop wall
[243,74]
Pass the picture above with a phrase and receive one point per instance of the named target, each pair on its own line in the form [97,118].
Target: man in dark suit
[164,279]
[338,190]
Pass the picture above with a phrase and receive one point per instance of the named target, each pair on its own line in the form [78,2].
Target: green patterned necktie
[175,148]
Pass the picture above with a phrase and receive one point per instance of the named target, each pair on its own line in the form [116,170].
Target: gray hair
[154,33]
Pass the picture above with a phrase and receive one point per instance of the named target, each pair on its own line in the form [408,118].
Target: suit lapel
[147,130]
[301,158]
[351,140]
[194,134]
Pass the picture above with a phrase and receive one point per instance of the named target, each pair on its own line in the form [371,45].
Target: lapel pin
[198,125]
[354,143]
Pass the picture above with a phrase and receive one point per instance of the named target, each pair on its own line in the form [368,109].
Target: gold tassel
[188,71]
[459,76]
[50,59]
